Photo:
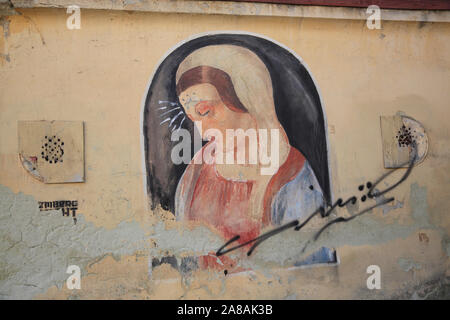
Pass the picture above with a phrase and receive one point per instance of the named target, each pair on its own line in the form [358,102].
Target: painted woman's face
[202,102]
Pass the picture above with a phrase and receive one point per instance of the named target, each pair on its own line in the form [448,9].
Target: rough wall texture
[98,74]
[38,246]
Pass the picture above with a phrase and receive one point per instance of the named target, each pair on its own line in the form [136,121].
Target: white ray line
[174,125]
[164,113]
[169,102]
[179,127]
[179,113]
[165,120]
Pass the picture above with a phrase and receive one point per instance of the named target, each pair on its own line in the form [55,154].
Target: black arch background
[297,104]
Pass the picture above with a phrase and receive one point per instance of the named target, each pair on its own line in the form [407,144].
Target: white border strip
[240,9]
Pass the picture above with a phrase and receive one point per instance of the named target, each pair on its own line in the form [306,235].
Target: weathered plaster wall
[99,74]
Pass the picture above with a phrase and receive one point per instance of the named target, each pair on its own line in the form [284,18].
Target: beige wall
[99,74]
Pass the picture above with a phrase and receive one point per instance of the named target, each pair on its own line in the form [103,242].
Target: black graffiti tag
[325,213]
[66,207]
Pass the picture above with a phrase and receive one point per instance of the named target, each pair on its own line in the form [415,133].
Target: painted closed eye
[204,108]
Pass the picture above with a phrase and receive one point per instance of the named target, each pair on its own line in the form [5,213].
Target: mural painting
[235,139]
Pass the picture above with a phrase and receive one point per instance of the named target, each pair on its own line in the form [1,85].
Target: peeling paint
[290,247]
[31,166]
[396,204]
[408,264]
[4,22]
[36,247]
[199,240]
[419,205]
[446,244]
